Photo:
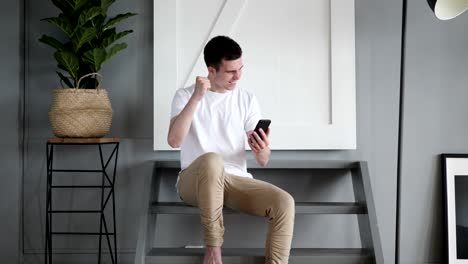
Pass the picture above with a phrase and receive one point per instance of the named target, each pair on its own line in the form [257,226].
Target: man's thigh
[251,196]
[189,178]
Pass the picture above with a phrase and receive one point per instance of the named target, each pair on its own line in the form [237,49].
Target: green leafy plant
[90,38]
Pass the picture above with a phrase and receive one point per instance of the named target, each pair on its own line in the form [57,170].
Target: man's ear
[211,70]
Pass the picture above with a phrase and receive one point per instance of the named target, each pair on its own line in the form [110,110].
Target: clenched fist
[202,84]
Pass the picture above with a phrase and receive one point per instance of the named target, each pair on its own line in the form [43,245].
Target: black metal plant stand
[107,183]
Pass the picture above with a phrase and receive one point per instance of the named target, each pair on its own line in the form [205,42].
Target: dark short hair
[221,48]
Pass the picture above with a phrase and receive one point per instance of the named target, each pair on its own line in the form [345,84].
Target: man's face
[230,71]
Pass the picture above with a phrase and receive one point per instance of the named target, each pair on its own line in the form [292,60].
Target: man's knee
[212,159]
[213,164]
[285,203]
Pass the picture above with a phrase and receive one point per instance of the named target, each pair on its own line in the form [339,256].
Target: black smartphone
[263,124]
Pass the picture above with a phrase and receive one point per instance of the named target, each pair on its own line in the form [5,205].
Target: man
[209,122]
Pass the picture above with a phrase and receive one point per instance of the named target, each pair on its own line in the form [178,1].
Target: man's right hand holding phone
[259,142]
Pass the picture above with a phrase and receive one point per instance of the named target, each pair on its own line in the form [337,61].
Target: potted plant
[81,108]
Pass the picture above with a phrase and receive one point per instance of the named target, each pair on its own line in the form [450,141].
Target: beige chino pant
[204,184]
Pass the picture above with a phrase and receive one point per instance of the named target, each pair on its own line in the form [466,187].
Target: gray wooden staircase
[362,206]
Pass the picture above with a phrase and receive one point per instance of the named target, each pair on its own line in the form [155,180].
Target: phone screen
[263,124]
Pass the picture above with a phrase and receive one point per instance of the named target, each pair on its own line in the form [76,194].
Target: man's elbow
[263,163]
[174,143]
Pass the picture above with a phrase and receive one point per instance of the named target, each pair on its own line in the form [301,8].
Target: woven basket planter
[81,113]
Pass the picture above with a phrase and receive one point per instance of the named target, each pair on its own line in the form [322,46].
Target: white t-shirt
[219,125]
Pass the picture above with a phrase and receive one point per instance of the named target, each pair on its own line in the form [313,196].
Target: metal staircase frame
[363,206]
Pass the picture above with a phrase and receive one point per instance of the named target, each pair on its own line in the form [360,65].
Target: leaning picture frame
[311,52]
[455,184]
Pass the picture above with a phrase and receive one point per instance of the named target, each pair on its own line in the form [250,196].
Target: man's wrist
[264,150]
[195,99]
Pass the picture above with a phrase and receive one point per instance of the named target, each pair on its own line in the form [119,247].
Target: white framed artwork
[299,61]
[455,179]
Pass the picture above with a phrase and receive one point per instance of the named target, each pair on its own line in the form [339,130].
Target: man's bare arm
[180,124]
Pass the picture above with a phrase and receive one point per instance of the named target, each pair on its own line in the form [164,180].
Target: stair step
[279,164]
[308,255]
[301,208]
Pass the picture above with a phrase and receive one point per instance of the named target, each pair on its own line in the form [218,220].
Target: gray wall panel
[128,77]
[10,154]
[434,123]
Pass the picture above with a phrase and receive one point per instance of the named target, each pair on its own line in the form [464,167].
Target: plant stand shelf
[106,187]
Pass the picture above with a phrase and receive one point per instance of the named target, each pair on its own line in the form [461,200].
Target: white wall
[299,55]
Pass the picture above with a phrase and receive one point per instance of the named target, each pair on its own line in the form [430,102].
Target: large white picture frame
[455,179]
[299,58]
